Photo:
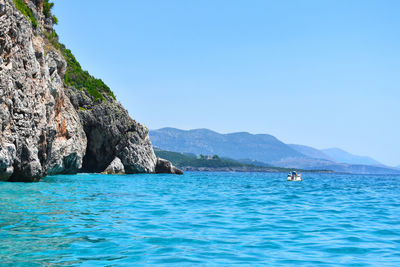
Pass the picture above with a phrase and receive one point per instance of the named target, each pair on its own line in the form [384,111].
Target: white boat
[294,177]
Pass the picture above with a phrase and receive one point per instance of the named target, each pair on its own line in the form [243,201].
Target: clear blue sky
[319,73]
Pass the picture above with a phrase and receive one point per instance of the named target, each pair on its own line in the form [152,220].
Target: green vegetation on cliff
[74,76]
[80,79]
[47,6]
[26,11]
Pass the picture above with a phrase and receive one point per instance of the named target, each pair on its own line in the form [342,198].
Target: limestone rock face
[7,156]
[164,166]
[40,131]
[112,133]
[115,167]
[49,128]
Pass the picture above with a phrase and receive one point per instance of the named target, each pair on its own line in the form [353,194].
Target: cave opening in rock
[99,152]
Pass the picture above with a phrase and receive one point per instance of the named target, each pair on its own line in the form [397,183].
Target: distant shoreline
[245,169]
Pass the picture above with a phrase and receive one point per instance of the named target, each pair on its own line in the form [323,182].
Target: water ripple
[201,219]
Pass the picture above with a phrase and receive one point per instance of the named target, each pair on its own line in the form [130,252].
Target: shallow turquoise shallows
[201,219]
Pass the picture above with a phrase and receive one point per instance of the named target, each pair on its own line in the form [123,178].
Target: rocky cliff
[54,117]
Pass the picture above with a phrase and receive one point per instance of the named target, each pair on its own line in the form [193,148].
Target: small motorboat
[293,176]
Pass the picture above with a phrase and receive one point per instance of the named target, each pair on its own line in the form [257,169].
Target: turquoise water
[201,219]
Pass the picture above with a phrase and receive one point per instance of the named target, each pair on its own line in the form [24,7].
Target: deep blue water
[201,219]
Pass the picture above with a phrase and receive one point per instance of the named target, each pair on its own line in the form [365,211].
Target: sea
[201,219]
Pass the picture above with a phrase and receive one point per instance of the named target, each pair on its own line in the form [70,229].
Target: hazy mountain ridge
[191,162]
[259,149]
[240,145]
[311,152]
[342,156]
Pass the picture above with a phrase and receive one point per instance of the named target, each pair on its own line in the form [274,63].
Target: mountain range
[192,162]
[264,149]
[342,156]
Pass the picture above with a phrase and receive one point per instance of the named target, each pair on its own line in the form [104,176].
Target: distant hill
[342,156]
[190,162]
[311,152]
[261,147]
[263,150]
[186,159]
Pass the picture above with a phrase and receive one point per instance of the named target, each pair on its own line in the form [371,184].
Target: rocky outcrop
[112,133]
[47,127]
[164,166]
[115,167]
[40,130]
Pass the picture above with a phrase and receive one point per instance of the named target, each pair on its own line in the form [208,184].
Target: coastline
[247,169]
